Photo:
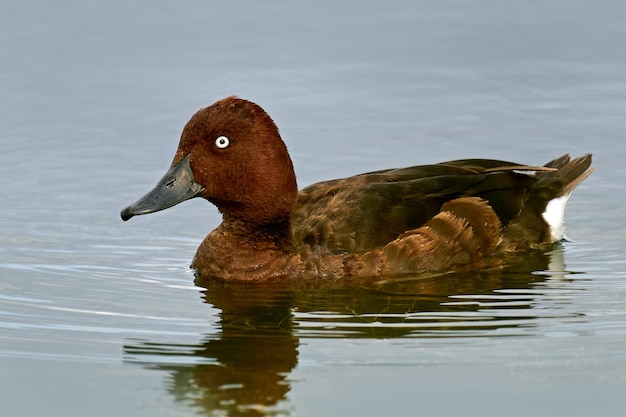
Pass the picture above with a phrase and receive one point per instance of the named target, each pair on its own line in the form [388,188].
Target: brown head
[231,154]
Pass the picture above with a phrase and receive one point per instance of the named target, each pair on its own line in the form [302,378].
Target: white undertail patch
[554,214]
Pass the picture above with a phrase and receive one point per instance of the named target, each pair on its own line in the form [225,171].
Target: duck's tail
[467,230]
[540,222]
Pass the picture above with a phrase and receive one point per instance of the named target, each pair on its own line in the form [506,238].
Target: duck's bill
[176,186]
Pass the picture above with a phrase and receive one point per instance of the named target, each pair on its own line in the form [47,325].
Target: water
[100,317]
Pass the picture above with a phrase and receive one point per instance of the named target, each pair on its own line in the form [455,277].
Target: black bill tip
[127,213]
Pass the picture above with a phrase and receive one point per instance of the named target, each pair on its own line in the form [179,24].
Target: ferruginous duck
[430,218]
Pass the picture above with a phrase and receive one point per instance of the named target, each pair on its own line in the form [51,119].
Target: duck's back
[367,211]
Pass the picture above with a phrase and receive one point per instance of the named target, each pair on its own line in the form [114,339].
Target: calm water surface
[100,317]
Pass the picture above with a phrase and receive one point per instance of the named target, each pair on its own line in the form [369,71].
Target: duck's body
[423,218]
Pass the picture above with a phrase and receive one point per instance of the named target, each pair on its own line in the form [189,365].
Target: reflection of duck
[248,363]
[244,369]
[399,221]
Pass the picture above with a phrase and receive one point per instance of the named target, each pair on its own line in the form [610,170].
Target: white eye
[222,142]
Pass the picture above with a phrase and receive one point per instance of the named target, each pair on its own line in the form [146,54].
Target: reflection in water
[244,368]
[245,365]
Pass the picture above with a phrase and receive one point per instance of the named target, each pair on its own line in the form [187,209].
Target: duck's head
[231,154]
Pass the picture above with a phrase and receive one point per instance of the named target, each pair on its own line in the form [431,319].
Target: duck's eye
[222,142]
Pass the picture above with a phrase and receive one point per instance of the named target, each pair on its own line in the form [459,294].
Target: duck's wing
[360,213]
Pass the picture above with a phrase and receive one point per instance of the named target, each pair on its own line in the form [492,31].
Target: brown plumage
[425,218]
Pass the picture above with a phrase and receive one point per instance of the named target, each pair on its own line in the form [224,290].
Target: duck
[421,219]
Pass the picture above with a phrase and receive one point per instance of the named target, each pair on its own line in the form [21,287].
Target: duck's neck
[240,250]
[275,234]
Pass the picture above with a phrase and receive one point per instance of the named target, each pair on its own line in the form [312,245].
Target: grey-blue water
[101,318]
